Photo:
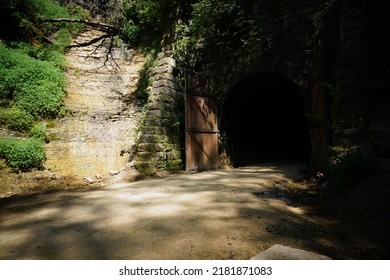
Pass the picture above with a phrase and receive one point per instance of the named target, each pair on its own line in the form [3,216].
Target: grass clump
[16,119]
[39,132]
[22,155]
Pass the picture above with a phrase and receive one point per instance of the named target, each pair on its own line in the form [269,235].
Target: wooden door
[201,126]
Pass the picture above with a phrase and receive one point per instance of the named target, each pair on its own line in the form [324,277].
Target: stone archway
[264,118]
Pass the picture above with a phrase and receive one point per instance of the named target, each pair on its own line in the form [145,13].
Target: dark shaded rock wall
[355,55]
[353,34]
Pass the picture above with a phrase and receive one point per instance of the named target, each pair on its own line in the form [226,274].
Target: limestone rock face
[280,252]
[100,123]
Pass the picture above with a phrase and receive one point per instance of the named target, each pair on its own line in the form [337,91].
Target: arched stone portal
[264,119]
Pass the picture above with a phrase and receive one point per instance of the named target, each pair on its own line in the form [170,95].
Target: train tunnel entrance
[264,119]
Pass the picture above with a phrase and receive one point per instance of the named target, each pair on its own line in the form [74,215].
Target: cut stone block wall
[159,147]
[355,66]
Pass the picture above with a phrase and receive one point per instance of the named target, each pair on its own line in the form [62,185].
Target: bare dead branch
[96,48]
[110,31]
[109,54]
[91,42]
[108,28]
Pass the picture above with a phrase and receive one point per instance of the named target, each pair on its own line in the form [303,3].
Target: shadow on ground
[224,214]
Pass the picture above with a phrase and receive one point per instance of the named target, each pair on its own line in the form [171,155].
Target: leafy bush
[31,77]
[76,10]
[39,131]
[349,166]
[142,91]
[132,32]
[22,154]
[32,85]
[26,13]
[42,100]
[153,18]
[3,117]
[217,22]
[111,11]
[16,119]
[215,26]
[53,54]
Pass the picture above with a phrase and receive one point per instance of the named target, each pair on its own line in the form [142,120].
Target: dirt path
[225,214]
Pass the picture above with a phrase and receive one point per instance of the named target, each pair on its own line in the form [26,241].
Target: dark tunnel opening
[264,119]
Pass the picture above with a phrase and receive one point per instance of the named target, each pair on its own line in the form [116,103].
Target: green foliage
[146,168]
[178,119]
[31,79]
[49,53]
[171,165]
[110,11]
[39,132]
[25,23]
[22,154]
[132,33]
[16,119]
[32,85]
[153,19]
[25,15]
[215,25]
[76,10]
[349,166]
[142,91]
[42,100]
[194,27]
[216,21]
[152,14]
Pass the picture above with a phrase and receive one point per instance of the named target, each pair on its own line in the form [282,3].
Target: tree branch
[91,42]
[98,25]
[110,31]
[109,54]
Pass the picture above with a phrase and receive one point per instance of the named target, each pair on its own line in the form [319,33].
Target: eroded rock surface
[100,122]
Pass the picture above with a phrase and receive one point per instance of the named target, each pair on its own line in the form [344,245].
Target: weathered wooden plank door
[201,126]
